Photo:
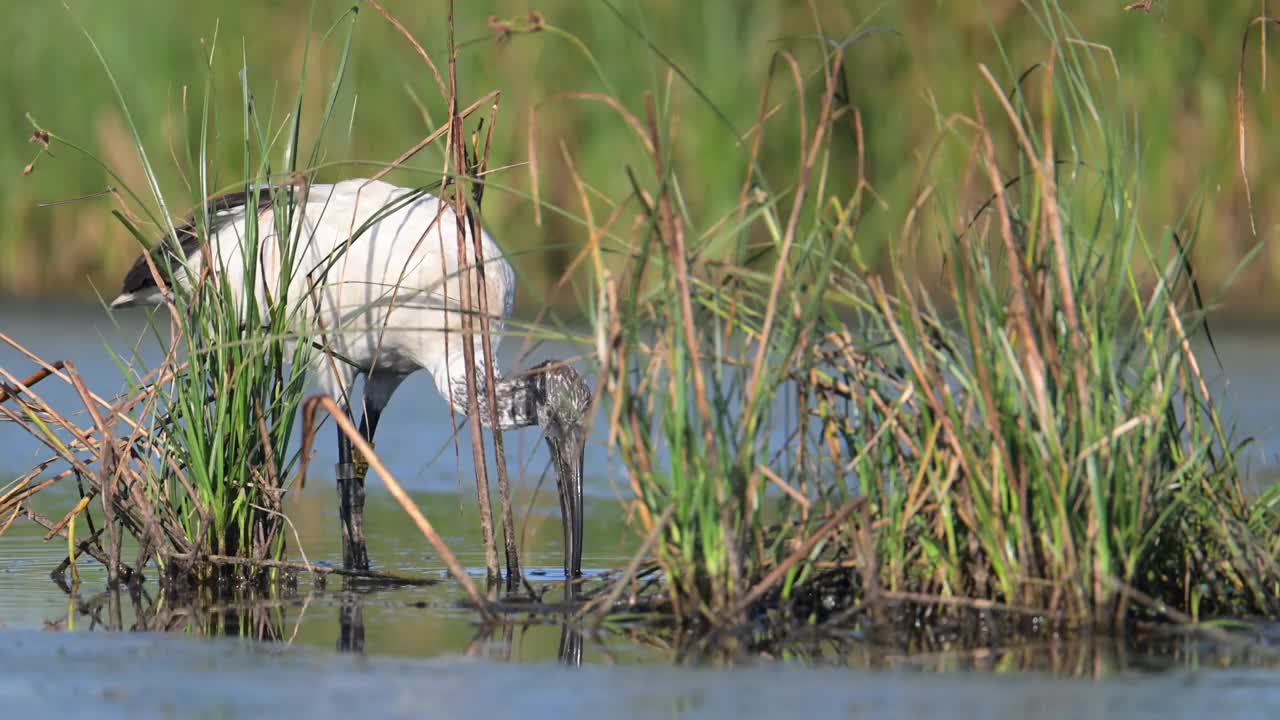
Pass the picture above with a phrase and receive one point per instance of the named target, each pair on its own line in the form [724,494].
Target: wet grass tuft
[1026,428]
[191,463]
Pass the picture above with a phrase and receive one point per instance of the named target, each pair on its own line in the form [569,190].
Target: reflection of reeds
[975,642]
[241,612]
[981,641]
[1046,446]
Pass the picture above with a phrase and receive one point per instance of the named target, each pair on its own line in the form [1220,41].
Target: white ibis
[385,267]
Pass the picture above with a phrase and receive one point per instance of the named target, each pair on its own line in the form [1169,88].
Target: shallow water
[41,671]
[410,651]
[421,621]
[415,437]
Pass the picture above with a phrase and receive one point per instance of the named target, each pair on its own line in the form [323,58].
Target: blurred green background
[1175,73]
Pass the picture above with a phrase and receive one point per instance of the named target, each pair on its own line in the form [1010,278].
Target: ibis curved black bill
[567,458]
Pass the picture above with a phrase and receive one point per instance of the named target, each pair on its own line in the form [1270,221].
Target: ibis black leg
[355,554]
[351,471]
[368,425]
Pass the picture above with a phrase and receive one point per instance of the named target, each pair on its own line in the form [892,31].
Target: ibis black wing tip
[223,209]
[138,280]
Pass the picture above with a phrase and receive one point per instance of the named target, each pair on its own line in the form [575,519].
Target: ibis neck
[518,399]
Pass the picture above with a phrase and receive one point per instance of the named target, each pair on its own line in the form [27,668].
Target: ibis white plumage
[377,282]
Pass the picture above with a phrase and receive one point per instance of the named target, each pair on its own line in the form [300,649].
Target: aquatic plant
[1028,429]
[208,457]
[200,482]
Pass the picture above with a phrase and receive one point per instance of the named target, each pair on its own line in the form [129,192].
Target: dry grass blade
[435,72]
[806,547]
[486,344]
[809,160]
[604,604]
[456,156]
[673,234]
[7,392]
[1261,22]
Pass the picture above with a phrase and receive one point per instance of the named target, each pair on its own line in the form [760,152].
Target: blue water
[415,437]
[146,675]
[419,445]
[409,652]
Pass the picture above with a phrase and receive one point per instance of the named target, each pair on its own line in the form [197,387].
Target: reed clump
[1028,430]
[190,464]
[197,482]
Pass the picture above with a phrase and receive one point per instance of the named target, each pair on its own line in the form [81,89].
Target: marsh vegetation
[999,411]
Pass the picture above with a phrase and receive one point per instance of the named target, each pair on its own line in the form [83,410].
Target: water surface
[346,650]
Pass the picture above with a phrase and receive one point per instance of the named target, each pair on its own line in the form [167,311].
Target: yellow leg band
[361,463]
